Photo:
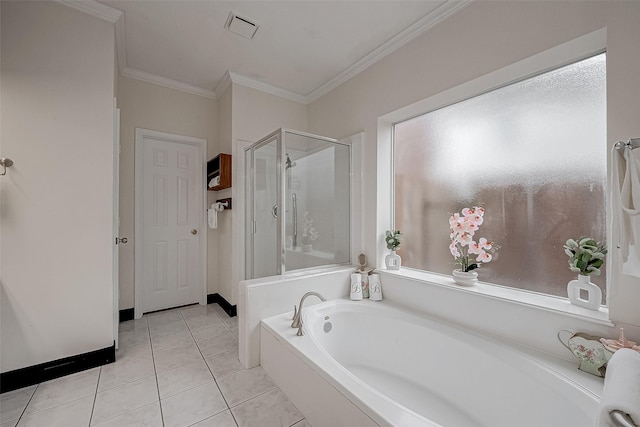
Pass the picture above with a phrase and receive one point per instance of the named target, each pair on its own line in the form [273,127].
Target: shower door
[264,177]
[317,184]
[297,203]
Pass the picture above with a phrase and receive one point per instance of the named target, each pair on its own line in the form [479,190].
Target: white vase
[465,278]
[393,261]
[594,294]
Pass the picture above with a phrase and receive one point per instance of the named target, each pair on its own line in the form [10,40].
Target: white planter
[393,261]
[465,278]
[594,294]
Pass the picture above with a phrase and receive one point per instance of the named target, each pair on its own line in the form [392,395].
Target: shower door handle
[294,198]
[274,211]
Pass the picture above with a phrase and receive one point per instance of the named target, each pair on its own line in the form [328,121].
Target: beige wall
[220,239]
[57,80]
[481,38]
[149,106]
[256,114]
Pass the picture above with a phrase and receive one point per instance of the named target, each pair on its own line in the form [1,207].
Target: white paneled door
[169,221]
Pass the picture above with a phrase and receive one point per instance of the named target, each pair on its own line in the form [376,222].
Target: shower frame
[281,202]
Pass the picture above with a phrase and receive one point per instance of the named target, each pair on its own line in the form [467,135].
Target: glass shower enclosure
[297,203]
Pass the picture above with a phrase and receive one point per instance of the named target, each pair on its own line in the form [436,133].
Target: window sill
[515,296]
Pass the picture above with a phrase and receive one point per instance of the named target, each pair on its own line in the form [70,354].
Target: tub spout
[297,316]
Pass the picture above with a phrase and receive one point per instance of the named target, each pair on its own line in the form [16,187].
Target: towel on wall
[625,203]
[212,217]
[621,387]
[212,214]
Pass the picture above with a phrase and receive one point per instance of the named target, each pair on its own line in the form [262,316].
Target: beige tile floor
[173,368]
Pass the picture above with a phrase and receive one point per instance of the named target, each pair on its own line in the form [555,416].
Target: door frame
[116,222]
[141,134]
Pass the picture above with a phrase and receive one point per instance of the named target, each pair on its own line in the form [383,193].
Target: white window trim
[566,53]
[536,300]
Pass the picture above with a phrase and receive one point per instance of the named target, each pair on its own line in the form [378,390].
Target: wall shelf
[219,168]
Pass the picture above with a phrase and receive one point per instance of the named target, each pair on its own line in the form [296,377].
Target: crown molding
[121,45]
[166,82]
[94,8]
[419,27]
[108,14]
[116,17]
[223,85]
[261,86]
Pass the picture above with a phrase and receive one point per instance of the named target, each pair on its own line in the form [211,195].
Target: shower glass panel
[317,202]
[264,191]
[298,208]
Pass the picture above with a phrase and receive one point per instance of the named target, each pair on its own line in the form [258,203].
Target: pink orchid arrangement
[463,227]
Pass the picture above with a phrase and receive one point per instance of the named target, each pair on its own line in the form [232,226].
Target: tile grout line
[155,373]
[129,382]
[254,397]
[293,425]
[96,391]
[228,329]
[22,415]
[257,395]
[244,401]
[27,405]
[210,371]
[95,395]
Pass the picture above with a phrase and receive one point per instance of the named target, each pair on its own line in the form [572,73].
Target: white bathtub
[366,363]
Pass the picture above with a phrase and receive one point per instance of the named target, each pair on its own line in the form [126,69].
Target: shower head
[289,163]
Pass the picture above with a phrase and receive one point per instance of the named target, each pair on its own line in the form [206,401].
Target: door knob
[121,240]
[5,163]
[194,231]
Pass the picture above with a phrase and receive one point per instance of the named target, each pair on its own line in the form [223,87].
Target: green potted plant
[393,239]
[586,257]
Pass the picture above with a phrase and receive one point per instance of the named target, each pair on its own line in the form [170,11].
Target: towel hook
[632,144]
[5,163]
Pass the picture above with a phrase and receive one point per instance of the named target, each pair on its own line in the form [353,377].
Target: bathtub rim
[379,407]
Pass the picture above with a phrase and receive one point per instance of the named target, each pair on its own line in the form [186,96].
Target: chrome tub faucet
[297,313]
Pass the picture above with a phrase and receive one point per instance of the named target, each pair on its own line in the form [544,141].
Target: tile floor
[173,368]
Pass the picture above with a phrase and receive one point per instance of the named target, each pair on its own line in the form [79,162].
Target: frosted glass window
[532,153]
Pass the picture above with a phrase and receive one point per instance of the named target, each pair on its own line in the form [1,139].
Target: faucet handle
[295,312]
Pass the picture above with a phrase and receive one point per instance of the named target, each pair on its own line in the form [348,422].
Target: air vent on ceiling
[242,26]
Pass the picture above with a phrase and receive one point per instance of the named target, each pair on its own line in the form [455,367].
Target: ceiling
[301,50]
